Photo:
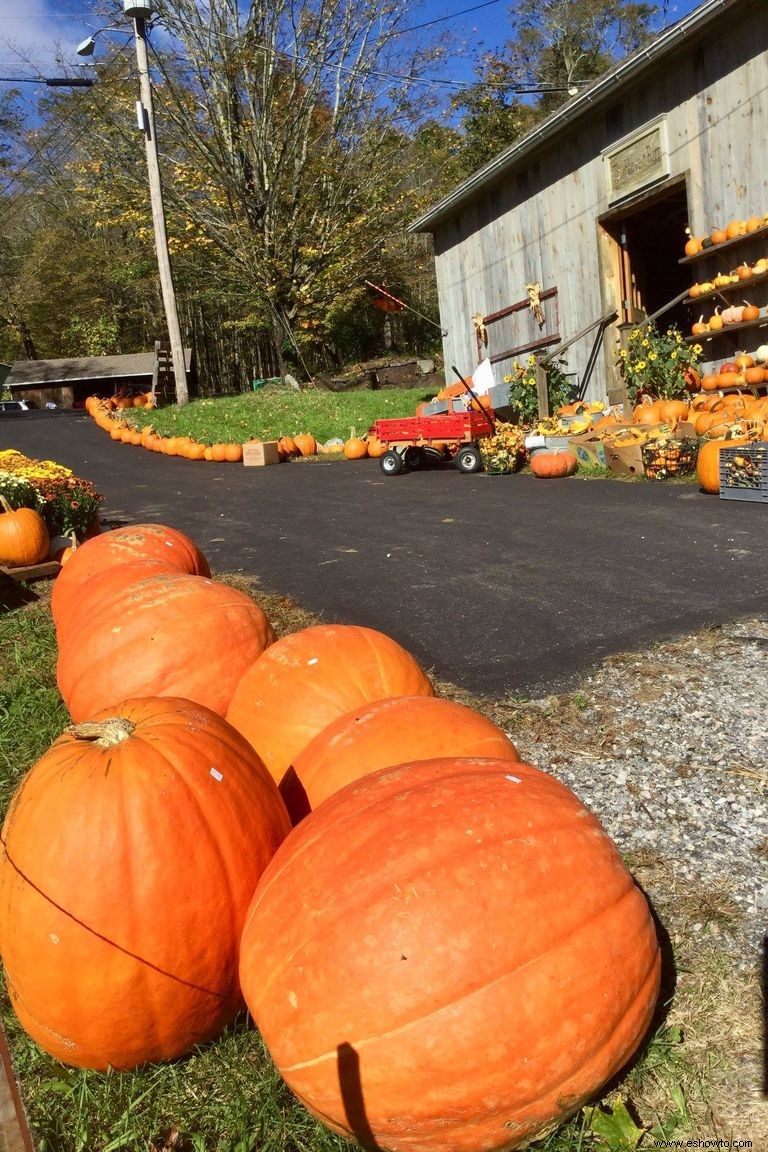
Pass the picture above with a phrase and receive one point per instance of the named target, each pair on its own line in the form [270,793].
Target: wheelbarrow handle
[489,421]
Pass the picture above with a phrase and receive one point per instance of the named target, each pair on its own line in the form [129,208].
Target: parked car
[13,407]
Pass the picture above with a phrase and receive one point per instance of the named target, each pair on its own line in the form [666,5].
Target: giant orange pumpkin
[107,584]
[24,537]
[395,731]
[125,546]
[130,854]
[310,678]
[165,635]
[449,956]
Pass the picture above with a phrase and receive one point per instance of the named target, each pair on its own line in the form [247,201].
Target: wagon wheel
[468,458]
[391,463]
[413,458]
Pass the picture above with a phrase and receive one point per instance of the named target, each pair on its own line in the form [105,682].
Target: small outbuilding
[584,218]
[67,383]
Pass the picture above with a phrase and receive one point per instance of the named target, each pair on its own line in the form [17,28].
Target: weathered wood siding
[542,222]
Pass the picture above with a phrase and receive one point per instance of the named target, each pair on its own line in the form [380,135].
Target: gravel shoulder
[668,746]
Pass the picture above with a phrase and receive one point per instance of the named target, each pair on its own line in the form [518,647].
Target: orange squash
[233,453]
[115,953]
[310,678]
[399,730]
[647,412]
[553,465]
[355,448]
[169,634]
[24,537]
[306,444]
[671,411]
[376,448]
[483,917]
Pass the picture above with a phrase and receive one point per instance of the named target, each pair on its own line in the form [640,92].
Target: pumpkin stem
[5,504]
[105,733]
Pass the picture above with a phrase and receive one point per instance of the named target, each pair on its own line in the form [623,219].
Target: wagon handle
[491,423]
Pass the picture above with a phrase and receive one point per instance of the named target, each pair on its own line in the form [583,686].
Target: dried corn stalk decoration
[534,303]
[480,329]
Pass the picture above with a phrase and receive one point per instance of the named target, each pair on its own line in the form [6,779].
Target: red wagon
[411,440]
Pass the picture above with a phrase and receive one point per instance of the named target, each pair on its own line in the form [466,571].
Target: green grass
[278,411]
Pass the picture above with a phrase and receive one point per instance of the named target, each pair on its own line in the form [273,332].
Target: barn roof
[28,373]
[605,88]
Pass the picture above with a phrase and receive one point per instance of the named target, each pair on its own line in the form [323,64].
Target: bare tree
[292,128]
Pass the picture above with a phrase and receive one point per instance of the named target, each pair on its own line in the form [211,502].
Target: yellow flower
[623,353]
[641,364]
[673,355]
[531,361]
[697,349]
[652,356]
[646,343]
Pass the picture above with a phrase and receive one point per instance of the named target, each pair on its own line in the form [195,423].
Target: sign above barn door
[637,161]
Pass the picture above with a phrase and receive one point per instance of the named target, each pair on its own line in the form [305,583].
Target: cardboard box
[625,461]
[257,453]
[589,448]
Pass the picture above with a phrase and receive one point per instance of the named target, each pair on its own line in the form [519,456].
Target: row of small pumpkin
[304,444]
[439,904]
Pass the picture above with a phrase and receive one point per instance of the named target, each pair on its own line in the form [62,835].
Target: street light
[139,11]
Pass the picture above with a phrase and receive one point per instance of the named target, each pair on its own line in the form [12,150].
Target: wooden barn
[589,209]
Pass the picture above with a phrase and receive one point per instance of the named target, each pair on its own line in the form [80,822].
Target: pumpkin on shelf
[732,315]
[553,465]
[718,236]
[692,245]
[716,322]
[115,954]
[24,537]
[700,327]
[470,898]
[749,312]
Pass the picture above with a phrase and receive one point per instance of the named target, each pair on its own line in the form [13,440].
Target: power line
[435,82]
[60,127]
[451,16]
[51,81]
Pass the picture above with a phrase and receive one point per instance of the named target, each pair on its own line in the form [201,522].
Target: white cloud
[36,34]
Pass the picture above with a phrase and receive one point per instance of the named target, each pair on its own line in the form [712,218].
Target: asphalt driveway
[508,586]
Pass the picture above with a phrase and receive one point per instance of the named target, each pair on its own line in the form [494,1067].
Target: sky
[35,34]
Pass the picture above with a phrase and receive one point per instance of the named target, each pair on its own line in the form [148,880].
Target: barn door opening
[649,237]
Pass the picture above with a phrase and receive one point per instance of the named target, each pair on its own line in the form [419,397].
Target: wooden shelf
[758,278]
[713,249]
[734,388]
[705,337]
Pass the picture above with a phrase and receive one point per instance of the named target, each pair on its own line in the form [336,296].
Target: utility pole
[136,9]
